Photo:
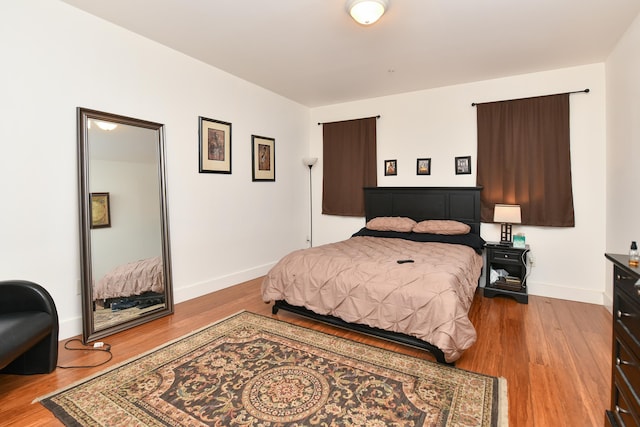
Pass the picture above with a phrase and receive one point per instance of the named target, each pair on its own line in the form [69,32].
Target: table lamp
[506,215]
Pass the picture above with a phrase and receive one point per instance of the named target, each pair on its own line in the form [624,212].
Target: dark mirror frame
[89,333]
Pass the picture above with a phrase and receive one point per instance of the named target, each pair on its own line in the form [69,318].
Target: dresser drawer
[627,320]
[610,419]
[622,410]
[626,283]
[627,373]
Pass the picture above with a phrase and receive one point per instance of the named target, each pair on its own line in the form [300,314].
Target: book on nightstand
[511,283]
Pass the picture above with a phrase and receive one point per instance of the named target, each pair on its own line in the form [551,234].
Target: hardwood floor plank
[555,354]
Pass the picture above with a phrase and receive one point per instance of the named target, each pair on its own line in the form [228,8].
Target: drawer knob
[622,362]
[621,411]
[622,314]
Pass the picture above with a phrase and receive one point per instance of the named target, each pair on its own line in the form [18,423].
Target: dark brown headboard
[420,203]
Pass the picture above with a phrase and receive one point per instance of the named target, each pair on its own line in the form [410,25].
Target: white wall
[224,228]
[441,124]
[623,145]
[136,231]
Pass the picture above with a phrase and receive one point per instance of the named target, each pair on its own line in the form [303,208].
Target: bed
[131,284]
[365,283]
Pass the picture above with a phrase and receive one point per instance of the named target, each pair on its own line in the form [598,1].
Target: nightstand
[514,262]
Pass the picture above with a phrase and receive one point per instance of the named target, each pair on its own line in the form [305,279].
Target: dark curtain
[524,158]
[349,165]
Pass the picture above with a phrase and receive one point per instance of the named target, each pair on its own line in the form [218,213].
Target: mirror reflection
[125,239]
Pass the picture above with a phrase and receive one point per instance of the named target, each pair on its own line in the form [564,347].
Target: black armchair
[28,329]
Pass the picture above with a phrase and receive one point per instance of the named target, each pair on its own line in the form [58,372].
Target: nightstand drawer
[508,256]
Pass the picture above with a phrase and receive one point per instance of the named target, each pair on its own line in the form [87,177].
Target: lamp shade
[366,12]
[507,214]
[309,161]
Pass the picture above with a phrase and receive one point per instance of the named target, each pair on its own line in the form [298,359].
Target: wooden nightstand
[514,262]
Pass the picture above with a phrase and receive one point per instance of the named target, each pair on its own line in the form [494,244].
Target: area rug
[255,371]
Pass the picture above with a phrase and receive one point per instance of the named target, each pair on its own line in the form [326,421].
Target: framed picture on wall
[100,210]
[390,167]
[215,146]
[423,166]
[463,165]
[263,152]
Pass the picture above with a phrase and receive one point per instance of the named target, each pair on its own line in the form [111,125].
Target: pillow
[391,223]
[441,226]
[472,240]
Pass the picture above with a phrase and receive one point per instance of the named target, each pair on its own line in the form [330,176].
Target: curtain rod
[473,104]
[377,117]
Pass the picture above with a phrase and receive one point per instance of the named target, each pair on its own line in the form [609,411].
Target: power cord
[525,262]
[97,346]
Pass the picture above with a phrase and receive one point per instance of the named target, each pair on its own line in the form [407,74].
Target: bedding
[474,241]
[359,280]
[391,223]
[438,226]
[134,278]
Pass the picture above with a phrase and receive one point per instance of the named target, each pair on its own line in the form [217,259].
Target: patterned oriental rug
[254,371]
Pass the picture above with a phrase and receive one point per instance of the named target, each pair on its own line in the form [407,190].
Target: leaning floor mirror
[124,230]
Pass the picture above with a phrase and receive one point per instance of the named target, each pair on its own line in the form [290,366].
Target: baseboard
[68,328]
[608,302]
[566,293]
[73,327]
[195,290]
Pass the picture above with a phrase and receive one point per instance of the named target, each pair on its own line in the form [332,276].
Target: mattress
[134,278]
[359,280]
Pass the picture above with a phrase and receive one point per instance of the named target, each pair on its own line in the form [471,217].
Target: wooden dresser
[625,374]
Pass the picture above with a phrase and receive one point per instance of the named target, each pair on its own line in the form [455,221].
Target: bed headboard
[420,203]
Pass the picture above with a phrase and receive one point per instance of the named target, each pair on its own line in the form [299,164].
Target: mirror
[124,233]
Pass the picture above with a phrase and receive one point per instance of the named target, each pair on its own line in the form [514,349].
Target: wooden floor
[554,354]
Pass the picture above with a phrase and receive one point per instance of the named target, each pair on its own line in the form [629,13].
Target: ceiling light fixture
[103,125]
[366,12]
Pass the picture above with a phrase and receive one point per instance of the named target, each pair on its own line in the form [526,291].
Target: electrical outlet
[532,260]
[79,288]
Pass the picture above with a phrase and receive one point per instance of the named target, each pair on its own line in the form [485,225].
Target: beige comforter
[359,281]
[134,278]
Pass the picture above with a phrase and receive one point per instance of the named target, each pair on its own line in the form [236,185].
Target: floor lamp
[309,162]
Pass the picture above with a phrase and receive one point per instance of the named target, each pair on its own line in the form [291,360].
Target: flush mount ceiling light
[366,12]
[103,125]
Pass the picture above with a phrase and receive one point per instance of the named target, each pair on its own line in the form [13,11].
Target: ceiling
[312,52]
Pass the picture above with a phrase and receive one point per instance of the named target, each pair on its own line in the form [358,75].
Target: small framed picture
[423,167]
[215,146]
[390,167]
[463,165]
[100,210]
[263,152]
